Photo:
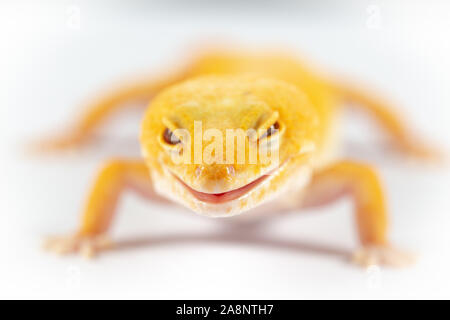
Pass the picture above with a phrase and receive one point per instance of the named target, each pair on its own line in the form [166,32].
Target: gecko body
[267,101]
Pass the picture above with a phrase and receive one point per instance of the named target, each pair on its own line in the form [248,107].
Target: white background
[55,55]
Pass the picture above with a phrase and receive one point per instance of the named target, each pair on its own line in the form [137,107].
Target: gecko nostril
[198,171]
[231,171]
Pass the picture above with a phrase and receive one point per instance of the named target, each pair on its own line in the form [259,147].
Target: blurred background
[55,55]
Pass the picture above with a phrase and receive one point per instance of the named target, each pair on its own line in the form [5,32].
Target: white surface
[49,66]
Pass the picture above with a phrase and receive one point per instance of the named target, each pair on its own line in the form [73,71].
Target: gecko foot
[87,246]
[382,255]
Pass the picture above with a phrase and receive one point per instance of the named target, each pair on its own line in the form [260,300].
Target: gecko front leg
[361,182]
[114,178]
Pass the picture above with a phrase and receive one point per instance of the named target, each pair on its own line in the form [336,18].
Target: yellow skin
[246,91]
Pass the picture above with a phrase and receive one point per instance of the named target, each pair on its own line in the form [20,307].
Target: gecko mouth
[224,196]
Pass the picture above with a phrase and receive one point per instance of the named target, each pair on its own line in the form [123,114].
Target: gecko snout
[215,178]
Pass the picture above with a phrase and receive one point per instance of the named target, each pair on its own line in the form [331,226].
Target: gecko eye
[271,130]
[170,138]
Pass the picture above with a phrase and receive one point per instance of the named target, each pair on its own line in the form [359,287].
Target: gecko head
[220,145]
